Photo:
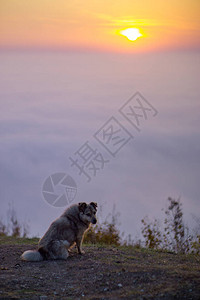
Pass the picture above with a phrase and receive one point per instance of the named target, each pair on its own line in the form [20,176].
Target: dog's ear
[94,204]
[82,206]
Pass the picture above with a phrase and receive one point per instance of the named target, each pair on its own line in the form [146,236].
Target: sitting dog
[68,229]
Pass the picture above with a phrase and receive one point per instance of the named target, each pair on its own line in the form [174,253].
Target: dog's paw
[81,252]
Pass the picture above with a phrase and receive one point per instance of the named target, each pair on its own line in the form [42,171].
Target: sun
[132,34]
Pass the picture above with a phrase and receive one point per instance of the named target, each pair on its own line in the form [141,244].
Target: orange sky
[92,24]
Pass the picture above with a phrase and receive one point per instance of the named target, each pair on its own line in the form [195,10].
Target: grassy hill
[103,272]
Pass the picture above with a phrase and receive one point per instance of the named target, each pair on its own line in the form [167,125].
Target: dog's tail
[31,255]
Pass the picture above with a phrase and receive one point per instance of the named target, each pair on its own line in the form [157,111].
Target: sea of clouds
[52,103]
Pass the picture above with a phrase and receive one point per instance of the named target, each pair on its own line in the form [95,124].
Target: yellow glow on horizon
[97,25]
[132,34]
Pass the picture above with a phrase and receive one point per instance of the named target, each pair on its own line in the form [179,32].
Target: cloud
[42,125]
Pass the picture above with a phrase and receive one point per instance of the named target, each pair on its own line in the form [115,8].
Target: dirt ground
[101,273]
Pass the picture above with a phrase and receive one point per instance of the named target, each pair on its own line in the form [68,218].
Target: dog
[63,233]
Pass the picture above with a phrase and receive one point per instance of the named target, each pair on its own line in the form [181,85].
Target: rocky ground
[101,273]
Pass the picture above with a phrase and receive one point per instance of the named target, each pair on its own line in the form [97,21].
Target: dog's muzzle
[94,221]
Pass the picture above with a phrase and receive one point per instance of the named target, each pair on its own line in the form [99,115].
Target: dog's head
[88,212]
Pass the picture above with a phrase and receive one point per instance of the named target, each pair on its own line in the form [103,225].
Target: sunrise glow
[127,27]
[132,34]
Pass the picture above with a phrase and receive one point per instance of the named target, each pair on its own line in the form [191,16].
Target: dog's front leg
[79,244]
